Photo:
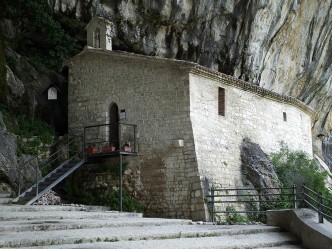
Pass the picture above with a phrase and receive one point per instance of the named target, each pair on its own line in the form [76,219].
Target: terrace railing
[102,137]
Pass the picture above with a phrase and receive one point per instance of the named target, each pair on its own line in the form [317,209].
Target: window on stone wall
[96,41]
[221,101]
[285,116]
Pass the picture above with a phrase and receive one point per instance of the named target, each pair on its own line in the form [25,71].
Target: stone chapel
[190,120]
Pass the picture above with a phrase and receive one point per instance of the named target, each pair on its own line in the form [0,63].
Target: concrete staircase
[5,199]
[79,227]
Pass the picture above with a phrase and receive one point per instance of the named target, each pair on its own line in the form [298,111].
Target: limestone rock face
[257,168]
[12,166]
[26,84]
[15,85]
[257,172]
[8,159]
[284,45]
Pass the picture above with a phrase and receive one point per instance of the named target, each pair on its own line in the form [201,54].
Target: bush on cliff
[41,36]
[295,167]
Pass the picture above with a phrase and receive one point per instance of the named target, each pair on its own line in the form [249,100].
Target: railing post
[319,207]
[259,191]
[294,196]
[212,201]
[120,136]
[121,184]
[36,169]
[135,138]
[83,145]
[303,196]
[19,181]
[68,152]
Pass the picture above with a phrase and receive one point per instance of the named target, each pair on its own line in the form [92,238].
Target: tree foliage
[295,167]
[42,38]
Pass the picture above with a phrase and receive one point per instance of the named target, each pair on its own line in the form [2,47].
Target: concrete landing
[303,223]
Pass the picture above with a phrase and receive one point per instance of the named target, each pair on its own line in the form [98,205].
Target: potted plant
[91,149]
[109,148]
[126,146]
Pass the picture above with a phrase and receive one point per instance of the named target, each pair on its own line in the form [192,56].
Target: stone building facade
[191,121]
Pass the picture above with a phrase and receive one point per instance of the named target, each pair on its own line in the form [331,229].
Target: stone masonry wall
[247,115]
[155,95]
[171,100]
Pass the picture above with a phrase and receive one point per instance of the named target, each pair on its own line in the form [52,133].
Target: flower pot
[126,148]
[108,149]
[91,150]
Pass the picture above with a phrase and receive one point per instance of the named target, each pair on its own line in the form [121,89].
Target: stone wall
[171,100]
[250,114]
[155,95]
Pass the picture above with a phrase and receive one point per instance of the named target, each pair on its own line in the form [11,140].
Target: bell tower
[99,33]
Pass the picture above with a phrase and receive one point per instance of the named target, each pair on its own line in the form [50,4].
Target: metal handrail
[49,161]
[250,201]
[320,207]
[242,195]
[215,193]
[310,198]
[237,189]
[30,161]
[119,141]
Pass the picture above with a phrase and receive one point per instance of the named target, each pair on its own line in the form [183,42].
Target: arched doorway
[114,125]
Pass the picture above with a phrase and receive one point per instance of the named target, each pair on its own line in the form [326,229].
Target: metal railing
[66,149]
[316,201]
[262,199]
[100,137]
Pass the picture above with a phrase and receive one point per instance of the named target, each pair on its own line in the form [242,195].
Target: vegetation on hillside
[42,37]
[107,195]
[295,167]
[103,197]
[292,167]
[34,134]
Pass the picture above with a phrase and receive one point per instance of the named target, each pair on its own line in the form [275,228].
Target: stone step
[67,227]
[114,234]
[5,200]
[65,224]
[237,241]
[283,247]
[59,215]
[38,208]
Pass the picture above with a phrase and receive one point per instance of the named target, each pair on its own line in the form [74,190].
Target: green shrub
[35,131]
[294,167]
[44,40]
[102,197]
[232,217]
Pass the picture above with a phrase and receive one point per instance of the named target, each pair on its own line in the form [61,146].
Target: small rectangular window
[97,38]
[221,101]
[285,116]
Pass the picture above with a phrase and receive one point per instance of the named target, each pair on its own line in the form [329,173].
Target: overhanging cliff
[283,45]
